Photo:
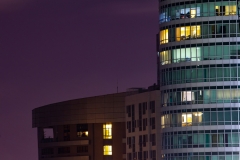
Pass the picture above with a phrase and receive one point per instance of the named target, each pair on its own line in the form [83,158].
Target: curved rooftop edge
[97,109]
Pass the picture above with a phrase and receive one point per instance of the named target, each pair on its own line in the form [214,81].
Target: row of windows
[181,11]
[200,118]
[199,54]
[107,150]
[228,131]
[200,140]
[202,96]
[141,123]
[213,44]
[63,150]
[201,74]
[82,131]
[189,154]
[193,31]
[202,156]
[47,151]
[82,149]
[142,140]
[130,109]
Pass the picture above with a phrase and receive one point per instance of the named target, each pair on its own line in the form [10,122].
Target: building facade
[143,126]
[83,129]
[199,56]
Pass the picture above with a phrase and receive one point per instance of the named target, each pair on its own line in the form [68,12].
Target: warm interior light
[107,131]
[198,114]
[107,150]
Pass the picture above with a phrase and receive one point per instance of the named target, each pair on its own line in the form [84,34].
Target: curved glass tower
[199,66]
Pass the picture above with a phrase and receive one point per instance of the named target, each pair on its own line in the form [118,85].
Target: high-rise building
[199,65]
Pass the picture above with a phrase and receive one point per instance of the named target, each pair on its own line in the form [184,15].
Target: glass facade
[193,9]
[200,95]
[199,52]
[200,117]
[199,70]
[201,73]
[199,30]
[200,139]
[202,156]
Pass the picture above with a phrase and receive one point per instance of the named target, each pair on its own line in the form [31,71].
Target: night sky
[56,50]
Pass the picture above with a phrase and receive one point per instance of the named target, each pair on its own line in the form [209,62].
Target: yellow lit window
[230,10]
[188,32]
[107,150]
[164,36]
[107,131]
[226,10]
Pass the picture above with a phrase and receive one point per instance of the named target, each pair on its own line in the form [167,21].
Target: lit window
[82,134]
[107,131]
[82,130]
[187,96]
[164,36]
[226,10]
[107,150]
[188,32]
[187,119]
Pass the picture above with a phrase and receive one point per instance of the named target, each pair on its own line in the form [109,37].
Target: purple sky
[65,49]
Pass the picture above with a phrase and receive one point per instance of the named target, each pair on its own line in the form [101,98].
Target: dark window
[82,149]
[144,123]
[47,151]
[145,155]
[152,106]
[152,121]
[82,130]
[133,144]
[139,155]
[66,132]
[63,150]
[144,104]
[133,118]
[140,116]
[153,154]
[153,139]
[129,156]
[128,110]
[145,139]
[129,126]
